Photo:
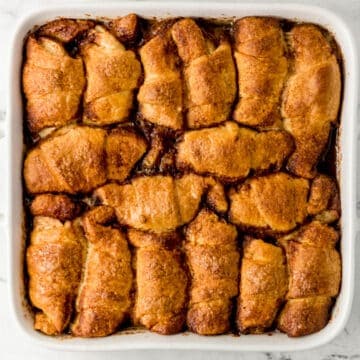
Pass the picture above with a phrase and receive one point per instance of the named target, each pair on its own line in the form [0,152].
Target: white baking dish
[147,340]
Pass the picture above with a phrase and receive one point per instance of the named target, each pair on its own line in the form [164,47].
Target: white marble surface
[14,347]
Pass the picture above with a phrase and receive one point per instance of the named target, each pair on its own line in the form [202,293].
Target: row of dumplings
[172,276]
[89,277]
[186,77]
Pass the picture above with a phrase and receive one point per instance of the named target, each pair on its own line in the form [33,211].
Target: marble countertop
[14,347]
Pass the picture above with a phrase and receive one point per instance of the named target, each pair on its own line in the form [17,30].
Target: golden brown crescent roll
[324,199]
[314,267]
[56,206]
[126,28]
[263,285]
[54,262]
[313,261]
[160,97]
[70,160]
[262,69]
[104,297]
[77,159]
[311,98]
[65,30]
[153,156]
[216,197]
[112,74]
[277,202]
[161,282]
[209,72]
[53,83]
[157,203]
[213,261]
[305,316]
[168,240]
[230,152]
[124,148]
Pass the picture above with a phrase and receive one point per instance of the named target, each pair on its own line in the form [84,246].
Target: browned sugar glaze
[172,175]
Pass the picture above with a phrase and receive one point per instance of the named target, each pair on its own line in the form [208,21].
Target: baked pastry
[161,282]
[263,285]
[65,30]
[77,159]
[311,98]
[104,297]
[260,54]
[70,160]
[279,202]
[230,152]
[160,97]
[324,199]
[314,267]
[53,83]
[276,201]
[152,159]
[56,206]
[156,203]
[126,28]
[54,262]
[124,148]
[216,197]
[304,316]
[209,73]
[213,261]
[112,74]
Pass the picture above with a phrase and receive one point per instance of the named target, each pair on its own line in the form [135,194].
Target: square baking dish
[139,339]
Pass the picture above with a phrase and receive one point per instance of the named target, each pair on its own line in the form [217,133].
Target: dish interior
[326,166]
